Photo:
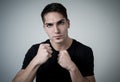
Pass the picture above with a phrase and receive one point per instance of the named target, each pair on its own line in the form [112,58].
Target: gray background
[95,23]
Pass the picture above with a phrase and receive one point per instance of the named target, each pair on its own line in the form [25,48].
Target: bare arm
[28,74]
[65,61]
[77,77]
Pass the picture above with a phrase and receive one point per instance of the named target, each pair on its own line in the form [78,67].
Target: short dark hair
[54,7]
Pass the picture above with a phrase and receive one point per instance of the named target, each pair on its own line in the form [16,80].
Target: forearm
[76,75]
[28,74]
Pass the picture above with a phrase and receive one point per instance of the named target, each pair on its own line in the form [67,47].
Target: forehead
[53,17]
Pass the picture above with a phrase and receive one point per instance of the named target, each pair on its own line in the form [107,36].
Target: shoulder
[82,49]
[80,45]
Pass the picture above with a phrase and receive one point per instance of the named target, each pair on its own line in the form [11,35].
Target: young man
[60,58]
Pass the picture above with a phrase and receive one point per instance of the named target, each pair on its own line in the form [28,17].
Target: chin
[58,41]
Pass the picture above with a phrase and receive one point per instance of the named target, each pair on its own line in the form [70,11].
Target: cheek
[49,33]
[65,30]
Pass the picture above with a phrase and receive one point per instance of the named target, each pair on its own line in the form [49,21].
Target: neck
[63,45]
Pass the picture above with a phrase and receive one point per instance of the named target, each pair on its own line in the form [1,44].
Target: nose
[56,29]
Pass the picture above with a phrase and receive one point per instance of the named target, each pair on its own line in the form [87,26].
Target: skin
[56,27]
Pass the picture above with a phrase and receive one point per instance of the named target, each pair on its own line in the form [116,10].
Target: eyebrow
[61,20]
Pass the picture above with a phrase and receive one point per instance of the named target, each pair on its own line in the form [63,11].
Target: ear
[68,23]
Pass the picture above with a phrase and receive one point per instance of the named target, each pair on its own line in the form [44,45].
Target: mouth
[58,37]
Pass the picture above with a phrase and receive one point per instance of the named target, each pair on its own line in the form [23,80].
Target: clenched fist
[44,53]
[64,60]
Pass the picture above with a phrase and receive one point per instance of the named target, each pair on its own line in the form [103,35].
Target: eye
[49,25]
[61,22]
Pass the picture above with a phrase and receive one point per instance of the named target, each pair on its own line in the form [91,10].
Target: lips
[58,36]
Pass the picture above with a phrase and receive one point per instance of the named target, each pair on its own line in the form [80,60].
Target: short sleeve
[89,63]
[30,55]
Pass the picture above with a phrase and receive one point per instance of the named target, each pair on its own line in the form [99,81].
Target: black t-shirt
[51,71]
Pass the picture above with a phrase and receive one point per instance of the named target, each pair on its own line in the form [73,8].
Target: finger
[46,47]
[46,44]
[50,51]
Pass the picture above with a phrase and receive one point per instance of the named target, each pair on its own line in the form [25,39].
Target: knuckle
[45,50]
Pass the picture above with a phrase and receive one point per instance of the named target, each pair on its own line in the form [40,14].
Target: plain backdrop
[95,23]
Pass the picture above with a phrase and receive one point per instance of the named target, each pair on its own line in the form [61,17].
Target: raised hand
[43,54]
[64,60]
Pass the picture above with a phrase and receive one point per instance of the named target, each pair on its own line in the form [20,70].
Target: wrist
[72,67]
[36,61]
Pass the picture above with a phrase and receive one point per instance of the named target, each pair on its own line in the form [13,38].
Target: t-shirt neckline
[48,41]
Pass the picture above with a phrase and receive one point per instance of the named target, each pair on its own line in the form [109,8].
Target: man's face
[56,26]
